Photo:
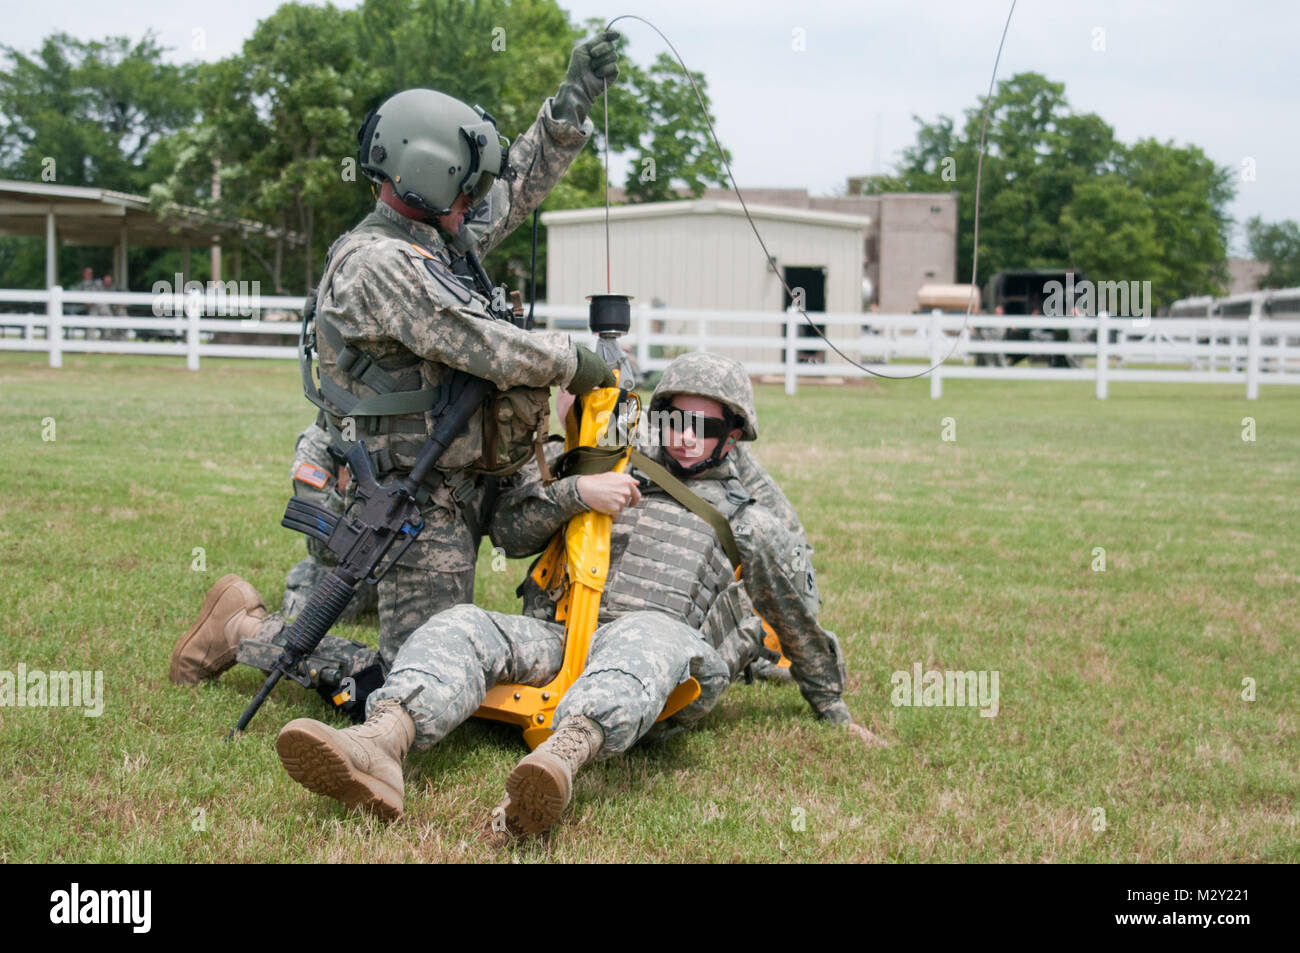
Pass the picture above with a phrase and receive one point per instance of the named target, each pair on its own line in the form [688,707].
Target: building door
[812,281]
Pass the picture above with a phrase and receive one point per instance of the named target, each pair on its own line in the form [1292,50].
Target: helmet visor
[487,157]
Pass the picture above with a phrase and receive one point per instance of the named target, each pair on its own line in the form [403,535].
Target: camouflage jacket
[391,294]
[777,576]
[764,489]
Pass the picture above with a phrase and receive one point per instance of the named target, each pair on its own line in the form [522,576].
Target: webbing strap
[361,367]
[583,461]
[680,492]
[351,360]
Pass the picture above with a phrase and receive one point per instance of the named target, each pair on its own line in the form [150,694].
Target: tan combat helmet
[717,377]
[711,375]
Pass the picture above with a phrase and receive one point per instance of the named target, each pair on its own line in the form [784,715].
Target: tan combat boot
[360,766]
[232,611]
[539,788]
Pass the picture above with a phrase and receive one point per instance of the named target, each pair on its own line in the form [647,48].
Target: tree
[1277,244]
[95,108]
[277,132]
[1188,196]
[670,141]
[274,143]
[1110,231]
[281,117]
[1057,190]
[86,113]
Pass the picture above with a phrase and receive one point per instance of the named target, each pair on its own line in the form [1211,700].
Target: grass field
[1122,733]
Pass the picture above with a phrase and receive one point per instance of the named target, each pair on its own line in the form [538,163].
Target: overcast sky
[1224,76]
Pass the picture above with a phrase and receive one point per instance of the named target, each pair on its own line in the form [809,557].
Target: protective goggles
[676,421]
[488,154]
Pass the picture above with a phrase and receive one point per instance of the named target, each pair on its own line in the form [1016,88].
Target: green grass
[1120,690]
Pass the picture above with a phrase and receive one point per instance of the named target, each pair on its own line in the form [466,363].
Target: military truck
[1024,291]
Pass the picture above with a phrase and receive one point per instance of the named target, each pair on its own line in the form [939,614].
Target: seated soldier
[668,574]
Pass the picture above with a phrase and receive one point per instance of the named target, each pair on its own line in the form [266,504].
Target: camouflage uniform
[763,488]
[665,614]
[398,309]
[315,478]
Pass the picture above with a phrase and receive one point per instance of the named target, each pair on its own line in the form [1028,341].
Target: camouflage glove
[591,372]
[594,63]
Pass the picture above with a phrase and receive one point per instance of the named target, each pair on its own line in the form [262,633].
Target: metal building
[702,254]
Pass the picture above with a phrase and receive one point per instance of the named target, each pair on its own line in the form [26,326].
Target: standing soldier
[393,323]
[319,474]
[665,616]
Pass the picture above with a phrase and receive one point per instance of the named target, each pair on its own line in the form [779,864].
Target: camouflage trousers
[334,659]
[634,663]
[407,596]
[306,575]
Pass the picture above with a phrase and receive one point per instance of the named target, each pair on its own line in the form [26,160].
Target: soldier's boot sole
[177,671]
[538,790]
[311,758]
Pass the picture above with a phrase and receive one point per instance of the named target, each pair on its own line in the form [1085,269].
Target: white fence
[1217,350]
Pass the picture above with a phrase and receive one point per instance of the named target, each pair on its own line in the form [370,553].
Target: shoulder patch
[311,474]
[443,275]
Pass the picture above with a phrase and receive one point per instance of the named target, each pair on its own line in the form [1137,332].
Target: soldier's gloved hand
[591,372]
[593,65]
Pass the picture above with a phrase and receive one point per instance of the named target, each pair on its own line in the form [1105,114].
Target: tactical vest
[391,403]
[665,558]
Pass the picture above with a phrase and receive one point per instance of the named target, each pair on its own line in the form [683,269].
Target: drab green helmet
[711,375]
[432,148]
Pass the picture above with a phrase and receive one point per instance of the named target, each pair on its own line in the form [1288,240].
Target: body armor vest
[392,400]
[665,558]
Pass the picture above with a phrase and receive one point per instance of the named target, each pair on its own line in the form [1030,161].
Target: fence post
[1103,354]
[1252,353]
[193,310]
[791,356]
[54,326]
[642,339]
[936,374]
